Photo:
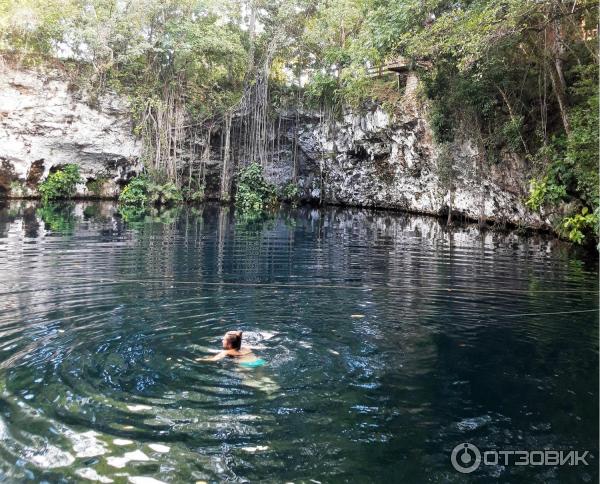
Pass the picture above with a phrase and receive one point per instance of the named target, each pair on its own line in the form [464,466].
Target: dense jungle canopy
[520,75]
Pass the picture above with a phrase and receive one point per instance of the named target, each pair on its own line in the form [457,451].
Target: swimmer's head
[232,340]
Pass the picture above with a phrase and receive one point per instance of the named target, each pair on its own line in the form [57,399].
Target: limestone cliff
[44,124]
[375,159]
[370,159]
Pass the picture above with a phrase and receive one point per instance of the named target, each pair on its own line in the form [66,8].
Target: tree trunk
[555,67]
[252,30]
[206,155]
[559,91]
[225,184]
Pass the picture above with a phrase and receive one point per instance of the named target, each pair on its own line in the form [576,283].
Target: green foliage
[543,192]
[141,192]
[570,174]
[569,163]
[61,184]
[582,153]
[581,226]
[442,124]
[254,194]
[488,70]
[291,192]
[165,194]
[145,49]
[32,26]
[135,192]
[194,194]
[323,90]
[511,132]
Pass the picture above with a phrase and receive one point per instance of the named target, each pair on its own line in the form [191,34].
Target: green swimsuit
[253,364]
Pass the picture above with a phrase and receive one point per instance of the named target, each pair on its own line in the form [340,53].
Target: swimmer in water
[232,348]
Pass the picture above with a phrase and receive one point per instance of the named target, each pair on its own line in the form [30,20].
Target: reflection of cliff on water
[398,233]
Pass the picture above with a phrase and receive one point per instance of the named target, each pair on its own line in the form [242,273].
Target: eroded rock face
[365,159]
[374,160]
[45,124]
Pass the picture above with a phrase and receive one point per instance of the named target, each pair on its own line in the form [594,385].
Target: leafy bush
[323,88]
[95,186]
[544,191]
[441,124]
[61,184]
[511,131]
[135,192]
[166,194]
[194,195]
[291,192]
[141,191]
[248,201]
[581,225]
[254,193]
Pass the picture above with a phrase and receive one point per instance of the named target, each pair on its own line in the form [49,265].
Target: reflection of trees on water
[45,248]
[392,244]
[405,256]
[138,217]
[58,217]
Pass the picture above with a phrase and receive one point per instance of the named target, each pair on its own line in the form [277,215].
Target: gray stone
[391,162]
[367,158]
[44,124]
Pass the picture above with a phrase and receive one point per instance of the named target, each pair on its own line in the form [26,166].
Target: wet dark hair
[233,339]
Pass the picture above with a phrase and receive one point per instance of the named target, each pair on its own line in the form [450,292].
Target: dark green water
[389,341]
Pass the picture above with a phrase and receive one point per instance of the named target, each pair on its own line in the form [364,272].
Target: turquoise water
[388,341]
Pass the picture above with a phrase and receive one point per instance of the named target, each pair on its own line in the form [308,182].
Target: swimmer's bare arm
[219,356]
[223,354]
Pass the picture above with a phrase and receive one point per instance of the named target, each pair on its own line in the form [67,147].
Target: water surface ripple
[389,340]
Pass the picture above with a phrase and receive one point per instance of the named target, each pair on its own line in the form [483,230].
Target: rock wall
[369,159]
[45,124]
[376,160]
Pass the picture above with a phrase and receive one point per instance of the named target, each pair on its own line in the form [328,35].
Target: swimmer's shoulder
[239,353]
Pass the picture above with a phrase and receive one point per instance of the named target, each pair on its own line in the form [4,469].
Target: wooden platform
[399,65]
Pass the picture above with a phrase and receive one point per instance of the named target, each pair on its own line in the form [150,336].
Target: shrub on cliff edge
[141,191]
[60,184]
[254,193]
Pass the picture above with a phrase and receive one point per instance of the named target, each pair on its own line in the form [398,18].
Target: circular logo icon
[465,458]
